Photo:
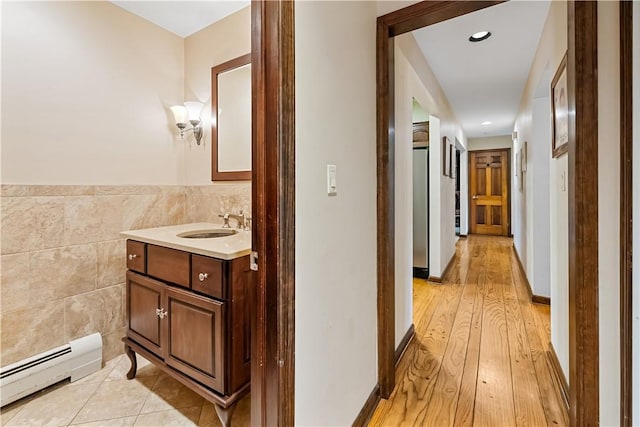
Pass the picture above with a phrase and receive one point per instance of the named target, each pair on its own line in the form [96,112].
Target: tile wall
[62,262]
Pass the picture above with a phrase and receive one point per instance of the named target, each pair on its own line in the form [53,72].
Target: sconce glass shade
[180,113]
[194,109]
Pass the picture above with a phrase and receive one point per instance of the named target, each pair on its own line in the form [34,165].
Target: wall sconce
[191,111]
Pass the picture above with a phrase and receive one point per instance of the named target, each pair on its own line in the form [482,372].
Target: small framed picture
[454,162]
[446,156]
[560,109]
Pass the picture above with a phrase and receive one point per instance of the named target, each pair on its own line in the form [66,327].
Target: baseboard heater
[75,360]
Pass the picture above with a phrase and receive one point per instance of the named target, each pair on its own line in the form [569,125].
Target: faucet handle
[225,217]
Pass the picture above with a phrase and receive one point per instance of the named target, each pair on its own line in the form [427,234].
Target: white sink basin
[207,234]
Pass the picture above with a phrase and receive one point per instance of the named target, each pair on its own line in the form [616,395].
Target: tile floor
[107,398]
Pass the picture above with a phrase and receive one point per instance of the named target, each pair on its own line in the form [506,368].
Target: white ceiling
[484,81]
[182,17]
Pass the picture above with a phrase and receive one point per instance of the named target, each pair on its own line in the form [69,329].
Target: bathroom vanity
[188,308]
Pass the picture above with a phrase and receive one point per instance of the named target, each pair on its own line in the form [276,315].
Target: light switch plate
[332,186]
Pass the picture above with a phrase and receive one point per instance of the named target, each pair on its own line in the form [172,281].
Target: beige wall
[86,89]
[85,93]
[95,109]
[489,142]
[204,50]
[540,193]
[412,64]
[336,338]
[63,260]
[609,210]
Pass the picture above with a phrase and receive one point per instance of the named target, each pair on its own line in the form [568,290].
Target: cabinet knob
[132,257]
[161,313]
[203,276]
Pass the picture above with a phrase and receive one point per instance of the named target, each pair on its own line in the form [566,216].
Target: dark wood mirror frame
[216,174]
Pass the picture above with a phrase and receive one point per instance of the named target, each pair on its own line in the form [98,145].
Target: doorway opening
[583,194]
[420,191]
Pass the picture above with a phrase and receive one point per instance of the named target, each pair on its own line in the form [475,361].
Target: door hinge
[253,261]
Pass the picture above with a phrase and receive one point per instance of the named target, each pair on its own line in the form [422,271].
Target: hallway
[479,356]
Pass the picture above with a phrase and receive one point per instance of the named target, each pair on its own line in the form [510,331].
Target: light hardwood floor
[479,357]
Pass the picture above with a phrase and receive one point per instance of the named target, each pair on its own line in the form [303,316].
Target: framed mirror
[231,120]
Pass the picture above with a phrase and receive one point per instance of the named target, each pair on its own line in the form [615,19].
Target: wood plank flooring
[480,355]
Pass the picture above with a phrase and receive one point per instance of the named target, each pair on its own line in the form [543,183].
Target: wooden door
[489,192]
[194,337]
[145,297]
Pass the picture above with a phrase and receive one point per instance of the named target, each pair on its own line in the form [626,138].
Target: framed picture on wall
[521,170]
[454,168]
[446,156]
[560,109]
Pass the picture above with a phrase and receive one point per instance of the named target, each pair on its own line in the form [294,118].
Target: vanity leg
[224,414]
[134,362]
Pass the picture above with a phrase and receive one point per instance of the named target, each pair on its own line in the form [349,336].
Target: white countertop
[228,247]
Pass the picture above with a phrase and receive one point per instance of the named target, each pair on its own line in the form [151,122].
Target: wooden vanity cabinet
[190,316]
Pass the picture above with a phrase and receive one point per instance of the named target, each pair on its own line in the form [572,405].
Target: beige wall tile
[31,223]
[61,190]
[97,311]
[112,345]
[10,190]
[112,265]
[31,331]
[14,282]
[92,219]
[63,272]
[153,210]
[106,190]
[204,203]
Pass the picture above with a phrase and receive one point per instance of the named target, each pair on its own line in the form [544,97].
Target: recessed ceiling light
[486,123]
[479,36]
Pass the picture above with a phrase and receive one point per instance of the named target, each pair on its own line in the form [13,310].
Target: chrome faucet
[242,220]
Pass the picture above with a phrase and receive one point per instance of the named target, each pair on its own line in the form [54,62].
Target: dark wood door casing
[626,211]
[582,74]
[273,212]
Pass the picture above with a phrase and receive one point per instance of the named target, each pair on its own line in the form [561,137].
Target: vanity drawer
[207,276]
[136,256]
[170,265]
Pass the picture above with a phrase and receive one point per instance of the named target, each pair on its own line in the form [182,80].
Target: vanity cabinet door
[195,341]
[145,310]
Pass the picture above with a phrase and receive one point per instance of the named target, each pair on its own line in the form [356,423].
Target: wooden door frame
[273,212]
[508,189]
[626,212]
[583,192]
